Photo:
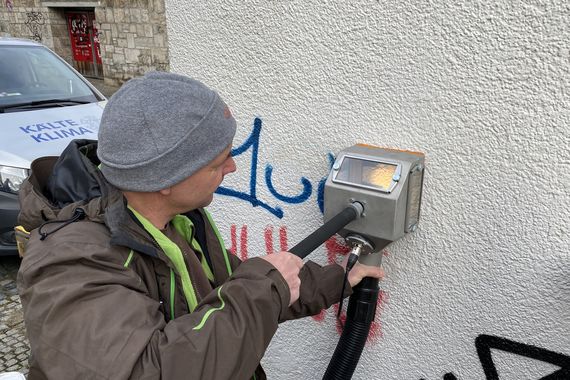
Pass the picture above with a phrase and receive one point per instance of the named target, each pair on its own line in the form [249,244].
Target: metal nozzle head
[357,242]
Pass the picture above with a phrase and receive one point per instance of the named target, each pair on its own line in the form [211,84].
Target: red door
[84,43]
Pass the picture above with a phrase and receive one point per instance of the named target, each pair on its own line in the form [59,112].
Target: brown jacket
[98,292]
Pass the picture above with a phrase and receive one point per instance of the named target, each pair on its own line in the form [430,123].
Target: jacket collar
[126,230]
[52,194]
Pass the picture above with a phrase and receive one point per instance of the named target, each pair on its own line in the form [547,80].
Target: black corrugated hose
[360,314]
[361,306]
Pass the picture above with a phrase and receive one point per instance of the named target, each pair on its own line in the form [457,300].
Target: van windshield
[33,74]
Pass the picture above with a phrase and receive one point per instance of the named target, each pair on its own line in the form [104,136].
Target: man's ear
[165,192]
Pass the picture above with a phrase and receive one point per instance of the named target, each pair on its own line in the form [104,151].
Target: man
[125,275]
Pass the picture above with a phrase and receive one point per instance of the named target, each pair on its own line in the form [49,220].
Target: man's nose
[231,166]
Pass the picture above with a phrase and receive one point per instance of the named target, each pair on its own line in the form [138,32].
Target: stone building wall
[27,19]
[59,34]
[132,33]
[133,38]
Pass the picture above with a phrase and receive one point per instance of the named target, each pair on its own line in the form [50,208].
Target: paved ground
[14,350]
[104,88]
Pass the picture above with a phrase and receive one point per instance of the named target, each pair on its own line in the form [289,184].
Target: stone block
[148,32]
[132,55]
[109,15]
[131,41]
[159,40]
[159,6]
[57,17]
[159,56]
[140,30]
[119,58]
[57,45]
[127,14]
[145,58]
[136,15]
[119,15]
[59,31]
[48,41]
[144,42]
[157,18]
[144,16]
[100,14]
[142,4]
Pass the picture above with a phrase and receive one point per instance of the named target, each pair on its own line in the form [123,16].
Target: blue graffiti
[307,189]
[251,196]
[252,142]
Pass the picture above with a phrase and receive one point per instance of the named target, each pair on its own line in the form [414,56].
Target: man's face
[198,189]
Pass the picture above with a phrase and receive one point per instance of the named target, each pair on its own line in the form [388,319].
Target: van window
[33,73]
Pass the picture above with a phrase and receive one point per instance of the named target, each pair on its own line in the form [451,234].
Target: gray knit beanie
[159,129]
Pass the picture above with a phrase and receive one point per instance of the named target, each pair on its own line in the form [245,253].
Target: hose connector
[359,245]
[358,207]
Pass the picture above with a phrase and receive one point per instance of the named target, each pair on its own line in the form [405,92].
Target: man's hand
[359,271]
[289,266]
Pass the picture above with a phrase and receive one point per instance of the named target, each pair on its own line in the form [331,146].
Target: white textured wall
[483,89]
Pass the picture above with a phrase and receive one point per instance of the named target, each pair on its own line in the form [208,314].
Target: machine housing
[387,182]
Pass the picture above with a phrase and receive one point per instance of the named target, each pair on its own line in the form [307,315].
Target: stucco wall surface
[483,89]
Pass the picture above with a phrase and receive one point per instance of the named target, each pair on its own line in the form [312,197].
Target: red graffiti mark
[243,243]
[283,238]
[319,317]
[283,245]
[269,239]
[334,247]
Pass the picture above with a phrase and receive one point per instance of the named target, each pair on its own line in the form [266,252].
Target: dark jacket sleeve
[228,333]
[89,317]
[320,288]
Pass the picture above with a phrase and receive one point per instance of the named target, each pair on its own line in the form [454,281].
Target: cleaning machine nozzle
[372,198]
[387,183]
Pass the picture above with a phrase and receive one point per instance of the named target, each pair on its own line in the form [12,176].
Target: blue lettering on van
[35,128]
[61,134]
[69,133]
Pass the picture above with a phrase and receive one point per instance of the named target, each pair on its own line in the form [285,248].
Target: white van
[44,104]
